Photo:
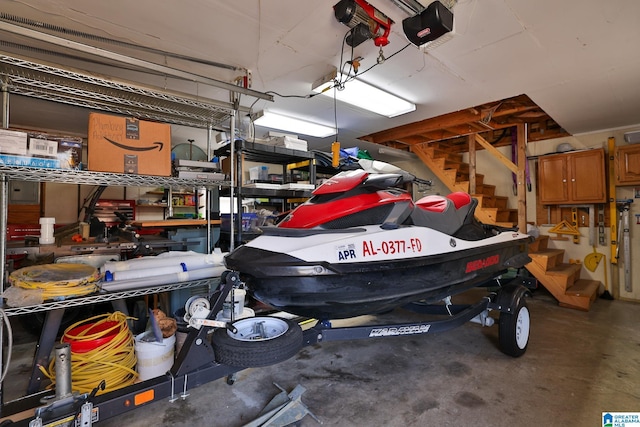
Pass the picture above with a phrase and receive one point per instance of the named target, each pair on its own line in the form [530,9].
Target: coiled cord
[57,281]
[113,361]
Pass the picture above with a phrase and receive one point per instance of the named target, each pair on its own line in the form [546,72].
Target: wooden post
[472,163]
[522,178]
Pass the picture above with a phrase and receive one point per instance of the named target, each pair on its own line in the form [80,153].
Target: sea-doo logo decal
[156,145]
[346,252]
[402,330]
[391,247]
[482,263]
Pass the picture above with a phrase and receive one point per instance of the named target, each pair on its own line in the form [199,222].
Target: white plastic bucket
[154,358]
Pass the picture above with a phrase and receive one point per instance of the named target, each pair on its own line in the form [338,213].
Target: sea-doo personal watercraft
[361,245]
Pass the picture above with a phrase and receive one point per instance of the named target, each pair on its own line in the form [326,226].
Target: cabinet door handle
[564,180]
[573,180]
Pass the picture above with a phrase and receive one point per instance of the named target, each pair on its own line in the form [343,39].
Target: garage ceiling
[574,62]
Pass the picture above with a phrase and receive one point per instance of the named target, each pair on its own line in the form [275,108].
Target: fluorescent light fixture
[273,120]
[363,95]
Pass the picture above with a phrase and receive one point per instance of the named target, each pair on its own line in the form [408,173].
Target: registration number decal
[391,247]
[385,247]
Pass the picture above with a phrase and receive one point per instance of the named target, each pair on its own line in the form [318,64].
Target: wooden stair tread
[507,215]
[584,288]
[487,189]
[564,269]
[501,202]
[441,153]
[547,252]
[485,201]
[539,244]
[547,258]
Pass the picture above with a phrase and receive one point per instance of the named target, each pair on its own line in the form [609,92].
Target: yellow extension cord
[113,362]
[57,281]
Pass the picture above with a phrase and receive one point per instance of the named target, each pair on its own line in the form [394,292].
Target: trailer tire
[281,340]
[514,328]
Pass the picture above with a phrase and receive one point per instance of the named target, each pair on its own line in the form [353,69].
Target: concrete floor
[578,365]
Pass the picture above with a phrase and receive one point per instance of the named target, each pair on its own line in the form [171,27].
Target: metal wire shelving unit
[52,82]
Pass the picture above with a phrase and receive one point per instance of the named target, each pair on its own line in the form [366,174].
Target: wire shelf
[71,176]
[105,297]
[64,85]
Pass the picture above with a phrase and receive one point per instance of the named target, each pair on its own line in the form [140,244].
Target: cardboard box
[42,147]
[66,150]
[13,142]
[128,145]
[70,152]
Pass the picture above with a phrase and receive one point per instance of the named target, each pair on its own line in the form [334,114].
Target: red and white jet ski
[360,245]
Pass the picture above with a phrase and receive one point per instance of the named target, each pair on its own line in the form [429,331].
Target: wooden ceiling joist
[487,119]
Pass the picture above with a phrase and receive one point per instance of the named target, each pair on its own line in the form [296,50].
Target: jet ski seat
[445,214]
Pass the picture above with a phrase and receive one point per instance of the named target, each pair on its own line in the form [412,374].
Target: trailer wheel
[259,341]
[513,330]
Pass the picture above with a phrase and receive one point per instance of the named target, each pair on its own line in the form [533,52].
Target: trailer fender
[509,297]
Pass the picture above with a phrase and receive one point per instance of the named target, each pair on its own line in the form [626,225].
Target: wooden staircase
[454,173]
[560,279]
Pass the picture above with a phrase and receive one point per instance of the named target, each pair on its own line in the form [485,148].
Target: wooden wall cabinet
[572,178]
[627,164]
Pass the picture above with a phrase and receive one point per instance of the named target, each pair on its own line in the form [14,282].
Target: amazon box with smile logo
[128,145]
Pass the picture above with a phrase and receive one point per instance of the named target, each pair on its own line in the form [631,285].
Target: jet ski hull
[361,278]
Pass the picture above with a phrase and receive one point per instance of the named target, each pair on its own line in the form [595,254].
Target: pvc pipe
[143,272]
[202,273]
[192,260]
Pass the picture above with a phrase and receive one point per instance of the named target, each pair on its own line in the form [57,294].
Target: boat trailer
[198,362]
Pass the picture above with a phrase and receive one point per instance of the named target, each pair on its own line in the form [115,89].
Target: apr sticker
[347,252]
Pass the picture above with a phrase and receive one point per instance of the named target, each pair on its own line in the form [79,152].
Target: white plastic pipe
[192,261]
[143,272]
[202,273]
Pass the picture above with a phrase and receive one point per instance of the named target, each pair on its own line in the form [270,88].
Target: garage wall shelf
[52,82]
